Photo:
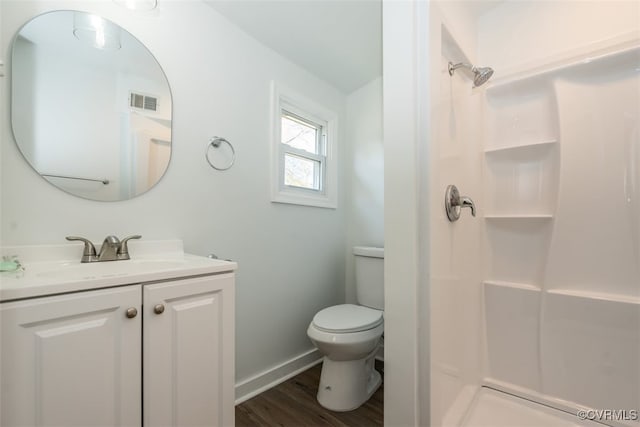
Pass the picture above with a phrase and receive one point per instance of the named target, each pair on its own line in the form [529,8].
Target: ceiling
[340,41]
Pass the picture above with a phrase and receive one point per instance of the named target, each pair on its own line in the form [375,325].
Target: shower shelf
[513,148]
[516,285]
[519,217]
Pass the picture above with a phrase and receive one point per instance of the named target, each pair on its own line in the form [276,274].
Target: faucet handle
[454,202]
[89,253]
[466,202]
[123,250]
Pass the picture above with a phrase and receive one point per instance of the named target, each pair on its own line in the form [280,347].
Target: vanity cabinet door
[72,360]
[188,352]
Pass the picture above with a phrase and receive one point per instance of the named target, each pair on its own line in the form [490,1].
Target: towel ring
[215,142]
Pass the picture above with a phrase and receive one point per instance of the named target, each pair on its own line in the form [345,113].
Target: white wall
[454,277]
[412,81]
[518,33]
[365,165]
[291,258]
[460,21]
[403,30]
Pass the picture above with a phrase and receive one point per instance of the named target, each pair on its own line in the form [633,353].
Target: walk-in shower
[534,309]
[480,74]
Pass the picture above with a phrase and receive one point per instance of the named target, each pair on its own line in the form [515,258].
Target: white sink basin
[92,270]
[48,271]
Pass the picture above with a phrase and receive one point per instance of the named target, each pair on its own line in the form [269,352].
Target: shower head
[480,74]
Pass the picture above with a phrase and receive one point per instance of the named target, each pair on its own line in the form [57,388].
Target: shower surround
[562,219]
[539,297]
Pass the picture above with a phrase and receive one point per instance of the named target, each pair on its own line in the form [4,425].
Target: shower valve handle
[466,202]
[454,203]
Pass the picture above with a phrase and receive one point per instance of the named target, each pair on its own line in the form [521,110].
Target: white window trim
[284,98]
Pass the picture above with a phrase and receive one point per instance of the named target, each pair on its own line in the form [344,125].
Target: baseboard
[270,378]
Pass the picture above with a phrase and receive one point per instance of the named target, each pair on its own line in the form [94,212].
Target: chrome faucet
[109,249]
[113,249]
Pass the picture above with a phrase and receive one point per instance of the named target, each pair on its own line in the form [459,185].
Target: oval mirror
[90,106]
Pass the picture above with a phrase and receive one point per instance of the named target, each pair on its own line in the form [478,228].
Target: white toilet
[349,335]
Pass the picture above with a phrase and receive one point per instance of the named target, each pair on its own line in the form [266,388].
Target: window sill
[305,200]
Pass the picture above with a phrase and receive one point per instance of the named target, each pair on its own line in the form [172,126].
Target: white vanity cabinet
[71,360]
[152,354]
[188,368]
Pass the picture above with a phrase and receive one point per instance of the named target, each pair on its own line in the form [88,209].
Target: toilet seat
[347,318]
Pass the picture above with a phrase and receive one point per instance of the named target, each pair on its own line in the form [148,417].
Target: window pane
[301,172]
[299,134]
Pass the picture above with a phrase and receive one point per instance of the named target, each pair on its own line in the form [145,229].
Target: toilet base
[346,385]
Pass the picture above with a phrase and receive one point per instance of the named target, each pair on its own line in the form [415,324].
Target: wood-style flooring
[293,404]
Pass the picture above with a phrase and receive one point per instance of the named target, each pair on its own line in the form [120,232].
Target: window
[303,145]
[303,151]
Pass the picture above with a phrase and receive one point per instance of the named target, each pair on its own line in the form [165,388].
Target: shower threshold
[493,408]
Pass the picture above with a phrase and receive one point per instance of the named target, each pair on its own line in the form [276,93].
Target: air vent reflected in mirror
[143,102]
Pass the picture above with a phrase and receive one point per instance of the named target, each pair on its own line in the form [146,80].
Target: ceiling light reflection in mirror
[95,31]
[138,4]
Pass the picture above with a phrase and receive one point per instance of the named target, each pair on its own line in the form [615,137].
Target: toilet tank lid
[346,318]
[368,251]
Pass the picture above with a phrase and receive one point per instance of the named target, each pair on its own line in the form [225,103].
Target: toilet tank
[369,276]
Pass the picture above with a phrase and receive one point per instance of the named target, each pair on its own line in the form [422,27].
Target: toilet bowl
[348,336]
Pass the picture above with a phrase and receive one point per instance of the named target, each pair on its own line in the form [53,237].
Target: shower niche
[521,113]
[521,180]
[522,160]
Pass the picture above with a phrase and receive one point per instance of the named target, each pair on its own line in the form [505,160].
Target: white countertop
[55,269]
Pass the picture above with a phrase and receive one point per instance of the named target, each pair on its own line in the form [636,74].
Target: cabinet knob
[158,309]
[132,312]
